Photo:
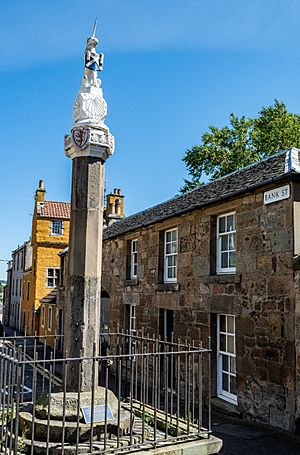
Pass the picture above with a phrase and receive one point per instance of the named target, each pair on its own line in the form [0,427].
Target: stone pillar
[88,145]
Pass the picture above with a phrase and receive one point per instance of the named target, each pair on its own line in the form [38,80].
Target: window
[226,243]
[132,320]
[170,256]
[62,270]
[52,277]
[226,356]
[166,318]
[57,228]
[28,289]
[133,259]
[131,324]
[43,316]
[50,318]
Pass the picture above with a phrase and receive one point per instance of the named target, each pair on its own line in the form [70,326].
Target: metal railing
[153,392]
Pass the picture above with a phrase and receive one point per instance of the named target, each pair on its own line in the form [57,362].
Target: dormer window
[57,227]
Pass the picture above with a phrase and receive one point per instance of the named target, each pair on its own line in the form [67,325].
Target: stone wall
[261,295]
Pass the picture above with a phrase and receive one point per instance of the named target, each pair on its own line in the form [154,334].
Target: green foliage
[148,419]
[244,141]
[21,441]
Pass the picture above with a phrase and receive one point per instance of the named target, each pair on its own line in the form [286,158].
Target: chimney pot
[41,185]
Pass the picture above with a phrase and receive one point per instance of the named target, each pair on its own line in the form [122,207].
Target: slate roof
[258,174]
[51,209]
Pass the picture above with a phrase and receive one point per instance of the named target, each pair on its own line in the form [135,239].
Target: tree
[244,141]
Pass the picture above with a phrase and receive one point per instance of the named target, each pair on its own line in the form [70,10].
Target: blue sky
[172,67]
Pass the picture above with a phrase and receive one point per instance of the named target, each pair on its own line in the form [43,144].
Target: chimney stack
[40,192]
[114,209]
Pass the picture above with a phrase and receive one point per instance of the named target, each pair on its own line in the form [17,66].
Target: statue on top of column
[90,106]
[93,62]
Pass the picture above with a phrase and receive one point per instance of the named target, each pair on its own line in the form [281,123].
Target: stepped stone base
[63,420]
[52,430]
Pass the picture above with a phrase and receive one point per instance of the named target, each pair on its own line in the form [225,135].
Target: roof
[272,169]
[20,247]
[52,209]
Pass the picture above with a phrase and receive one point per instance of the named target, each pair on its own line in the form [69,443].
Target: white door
[226,358]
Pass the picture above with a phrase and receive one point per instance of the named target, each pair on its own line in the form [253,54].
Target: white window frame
[168,255]
[43,316]
[220,235]
[60,230]
[132,327]
[50,311]
[55,277]
[132,319]
[231,358]
[133,259]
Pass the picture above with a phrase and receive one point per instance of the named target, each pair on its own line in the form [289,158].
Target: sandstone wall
[260,295]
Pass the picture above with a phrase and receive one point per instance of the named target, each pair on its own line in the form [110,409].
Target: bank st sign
[277,194]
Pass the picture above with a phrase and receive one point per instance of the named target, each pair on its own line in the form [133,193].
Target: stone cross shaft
[89,145]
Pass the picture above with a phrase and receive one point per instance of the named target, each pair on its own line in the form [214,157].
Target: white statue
[93,62]
[90,106]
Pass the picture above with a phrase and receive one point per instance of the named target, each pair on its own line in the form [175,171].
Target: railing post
[18,393]
[209,386]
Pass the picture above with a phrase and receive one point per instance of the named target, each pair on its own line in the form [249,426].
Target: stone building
[49,236]
[20,258]
[221,261]
[7,295]
[41,311]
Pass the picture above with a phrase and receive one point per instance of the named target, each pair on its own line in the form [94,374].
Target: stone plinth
[56,427]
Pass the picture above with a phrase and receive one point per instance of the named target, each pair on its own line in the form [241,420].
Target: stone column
[88,145]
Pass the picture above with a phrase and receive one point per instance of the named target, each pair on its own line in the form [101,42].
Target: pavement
[245,438]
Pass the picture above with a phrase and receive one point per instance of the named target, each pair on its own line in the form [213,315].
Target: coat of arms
[80,137]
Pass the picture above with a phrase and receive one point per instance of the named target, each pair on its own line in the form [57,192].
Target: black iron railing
[144,392]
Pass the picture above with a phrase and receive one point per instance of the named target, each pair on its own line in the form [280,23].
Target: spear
[94,29]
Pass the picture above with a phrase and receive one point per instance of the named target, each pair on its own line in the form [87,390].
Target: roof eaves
[206,203]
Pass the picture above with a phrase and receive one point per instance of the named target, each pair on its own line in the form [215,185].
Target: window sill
[162,287]
[232,400]
[224,278]
[224,406]
[131,282]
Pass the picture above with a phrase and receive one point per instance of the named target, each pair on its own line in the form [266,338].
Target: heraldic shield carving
[81,137]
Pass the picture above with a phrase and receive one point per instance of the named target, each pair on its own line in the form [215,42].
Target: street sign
[277,194]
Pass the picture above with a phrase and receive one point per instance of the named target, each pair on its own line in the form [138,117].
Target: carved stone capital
[89,141]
